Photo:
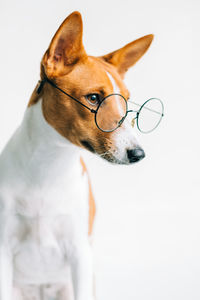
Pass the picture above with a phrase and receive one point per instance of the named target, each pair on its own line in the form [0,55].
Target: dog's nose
[135,155]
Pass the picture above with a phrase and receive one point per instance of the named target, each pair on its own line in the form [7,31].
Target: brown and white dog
[46,204]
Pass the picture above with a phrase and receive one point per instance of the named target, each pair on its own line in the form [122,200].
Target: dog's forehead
[95,72]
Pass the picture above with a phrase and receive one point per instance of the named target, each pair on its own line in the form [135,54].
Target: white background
[146,242]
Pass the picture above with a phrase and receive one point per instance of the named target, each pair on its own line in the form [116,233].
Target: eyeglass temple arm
[55,86]
[145,108]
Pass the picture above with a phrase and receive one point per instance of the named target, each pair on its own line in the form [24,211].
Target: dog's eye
[93,99]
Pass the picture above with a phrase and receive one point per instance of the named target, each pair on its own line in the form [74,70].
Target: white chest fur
[43,200]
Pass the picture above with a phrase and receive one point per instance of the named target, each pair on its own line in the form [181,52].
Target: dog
[47,208]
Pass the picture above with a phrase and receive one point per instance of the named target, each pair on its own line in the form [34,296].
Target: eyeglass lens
[111,112]
[150,115]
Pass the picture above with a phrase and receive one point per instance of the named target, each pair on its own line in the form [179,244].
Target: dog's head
[89,79]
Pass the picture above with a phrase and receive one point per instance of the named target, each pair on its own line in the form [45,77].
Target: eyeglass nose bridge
[134,118]
[133,111]
[132,121]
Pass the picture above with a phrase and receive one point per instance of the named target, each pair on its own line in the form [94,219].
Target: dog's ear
[127,56]
[66,47]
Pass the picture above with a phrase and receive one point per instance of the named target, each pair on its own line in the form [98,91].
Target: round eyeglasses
[113,110]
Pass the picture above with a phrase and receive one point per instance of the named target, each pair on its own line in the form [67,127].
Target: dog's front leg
[6,274]
[81,263]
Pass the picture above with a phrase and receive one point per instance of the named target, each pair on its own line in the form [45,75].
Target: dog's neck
[49,155]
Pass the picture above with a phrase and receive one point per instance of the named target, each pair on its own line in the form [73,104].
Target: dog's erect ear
[66,47]
[128,55]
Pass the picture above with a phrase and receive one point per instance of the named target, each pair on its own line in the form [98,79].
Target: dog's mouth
[112,159]
[88,146]
[107,155]
[114,156]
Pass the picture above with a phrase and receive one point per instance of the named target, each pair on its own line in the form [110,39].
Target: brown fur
[127,56]
[35,97]
[92,206]
[68,66]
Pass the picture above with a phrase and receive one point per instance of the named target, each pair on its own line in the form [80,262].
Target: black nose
[135,155]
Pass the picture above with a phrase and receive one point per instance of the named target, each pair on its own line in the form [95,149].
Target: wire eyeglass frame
[95,111]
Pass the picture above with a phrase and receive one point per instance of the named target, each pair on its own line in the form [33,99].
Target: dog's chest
[41,248]
[43,200]
[44,228]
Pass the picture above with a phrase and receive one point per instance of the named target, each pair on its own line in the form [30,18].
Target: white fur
[43,211]
[124,136]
